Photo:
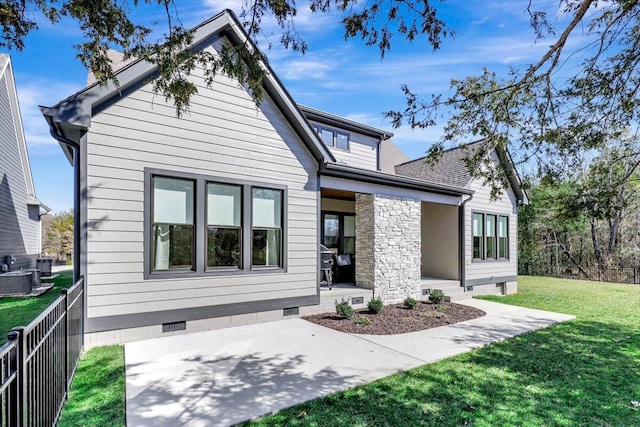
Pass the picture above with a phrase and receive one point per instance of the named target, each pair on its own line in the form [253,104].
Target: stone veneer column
[388,246]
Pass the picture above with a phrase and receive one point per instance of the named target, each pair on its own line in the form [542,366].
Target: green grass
[20,311]
[584,372]
[97,394]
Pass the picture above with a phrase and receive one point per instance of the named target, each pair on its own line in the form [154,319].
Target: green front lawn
[20,311]
[97,394]
[584,372]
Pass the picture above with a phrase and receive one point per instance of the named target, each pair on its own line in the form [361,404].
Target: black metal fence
[615,274]
[39,360]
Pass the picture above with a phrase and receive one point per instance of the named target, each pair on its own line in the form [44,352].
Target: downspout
[75,147]
[461,237]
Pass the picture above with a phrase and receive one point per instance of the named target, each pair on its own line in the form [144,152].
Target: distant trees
[57,236]
[586,224]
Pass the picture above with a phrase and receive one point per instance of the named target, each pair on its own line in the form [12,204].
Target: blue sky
[345,78]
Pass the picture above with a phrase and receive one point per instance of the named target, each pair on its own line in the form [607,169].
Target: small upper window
[173,225]
[327,137]
[342,141]
[332,138]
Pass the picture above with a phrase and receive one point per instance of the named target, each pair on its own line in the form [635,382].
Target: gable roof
[343,123]
[6,76]
[452,170]
[70,117]
[390,156]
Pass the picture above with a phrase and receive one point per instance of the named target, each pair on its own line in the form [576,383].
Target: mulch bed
[396,319]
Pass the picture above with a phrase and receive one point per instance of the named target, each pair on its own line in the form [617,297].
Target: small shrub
[436,296]
[410,303]
[344,309]
[375,305]
[443,308]
[363,321]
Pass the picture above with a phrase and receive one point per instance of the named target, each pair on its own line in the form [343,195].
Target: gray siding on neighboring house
[224,135]
[20,230]
[506,205]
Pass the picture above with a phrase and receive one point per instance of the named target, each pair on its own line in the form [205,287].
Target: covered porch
[395,245]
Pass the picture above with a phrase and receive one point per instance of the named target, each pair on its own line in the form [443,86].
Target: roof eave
[374,177]
[78,109]
[332,119]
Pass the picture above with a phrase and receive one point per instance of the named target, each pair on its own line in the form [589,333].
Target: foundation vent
[357,300]
[174,326]
[292,311]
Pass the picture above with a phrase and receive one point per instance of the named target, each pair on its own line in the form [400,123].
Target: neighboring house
[20,210]
[220,213]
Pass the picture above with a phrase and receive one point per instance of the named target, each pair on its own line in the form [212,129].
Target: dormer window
[332,138]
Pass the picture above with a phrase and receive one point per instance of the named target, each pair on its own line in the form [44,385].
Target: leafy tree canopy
[571,102]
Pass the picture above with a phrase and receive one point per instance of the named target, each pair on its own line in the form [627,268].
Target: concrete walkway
[227,376]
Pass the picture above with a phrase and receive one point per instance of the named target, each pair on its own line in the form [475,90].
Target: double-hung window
[503,237]
[266,230]
[478,236]
[173,224]
[224,226]
[490,236]
[202,225]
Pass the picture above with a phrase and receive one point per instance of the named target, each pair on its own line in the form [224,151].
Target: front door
[339,235]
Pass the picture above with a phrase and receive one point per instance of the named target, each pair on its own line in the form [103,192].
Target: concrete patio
[227,376]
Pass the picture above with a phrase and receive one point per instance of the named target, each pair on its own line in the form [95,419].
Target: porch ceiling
[331,193]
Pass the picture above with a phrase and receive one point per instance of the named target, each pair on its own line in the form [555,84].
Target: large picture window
[203,225]
[490,236]
[266,227]
[224,228]
[173,224]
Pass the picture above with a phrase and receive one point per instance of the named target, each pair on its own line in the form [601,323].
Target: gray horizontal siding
[19,224]
[225,136]
[506,205]
[362,153]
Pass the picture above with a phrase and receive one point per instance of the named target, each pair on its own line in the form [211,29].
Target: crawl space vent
[293,311]
[174,326]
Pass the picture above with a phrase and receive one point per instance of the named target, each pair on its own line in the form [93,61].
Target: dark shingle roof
[390,156]
[450,168]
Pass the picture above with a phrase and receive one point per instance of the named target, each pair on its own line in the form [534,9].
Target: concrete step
[454,293]
[458,297]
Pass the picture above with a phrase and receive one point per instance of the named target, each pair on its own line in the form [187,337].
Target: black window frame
[484,239]
[172,227]
[334,142]
[200,268]
[240,228]
[263,228]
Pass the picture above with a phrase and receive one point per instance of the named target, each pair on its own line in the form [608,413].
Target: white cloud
[305,20]
[40,91]
[304,69]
